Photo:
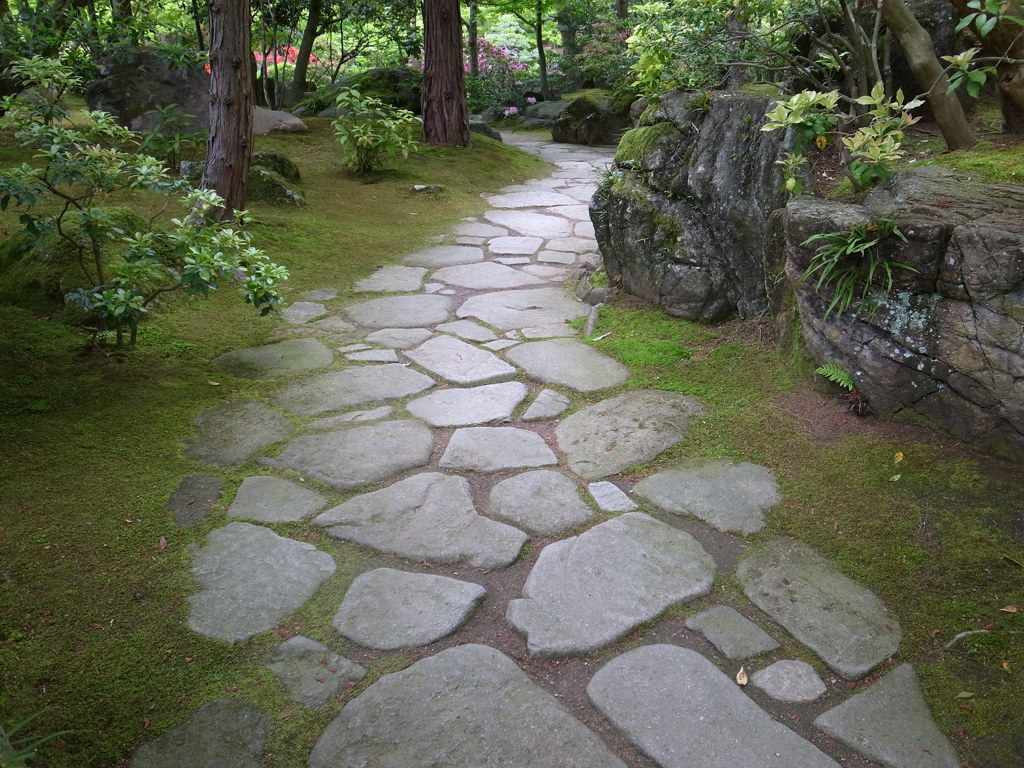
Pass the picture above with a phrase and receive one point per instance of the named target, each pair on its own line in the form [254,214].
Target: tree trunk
[200,43]
[309,35]
[445,113]
[542,59]
[621,9]
[928,72]
[738,25]
[228,149]
[473,39]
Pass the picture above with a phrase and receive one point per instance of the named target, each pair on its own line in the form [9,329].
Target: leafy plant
[172,139]
[836,374]
[369,130]
[15,750]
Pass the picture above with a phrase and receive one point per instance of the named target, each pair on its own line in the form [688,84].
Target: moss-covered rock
[588,120]
[638,143]
[270,187]
[277,163]
[396,86]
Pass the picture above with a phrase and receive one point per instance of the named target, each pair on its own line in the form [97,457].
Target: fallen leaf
[895,478]
[898,457]
[1006,666]
[741,676]
[965,695]
[162,544]
[213,383]
[1010,609]
[230,688]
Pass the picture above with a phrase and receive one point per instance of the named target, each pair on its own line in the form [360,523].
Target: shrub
[368,131]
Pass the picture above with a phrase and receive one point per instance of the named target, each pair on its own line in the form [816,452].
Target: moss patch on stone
[638,143]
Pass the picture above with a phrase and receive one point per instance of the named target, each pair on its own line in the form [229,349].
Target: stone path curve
[433,407]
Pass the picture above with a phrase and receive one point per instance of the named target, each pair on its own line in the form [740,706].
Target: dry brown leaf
[897,457]
[741,676]
[1010,609]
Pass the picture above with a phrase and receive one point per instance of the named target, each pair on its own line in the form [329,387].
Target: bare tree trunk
[473,39]
[542,59]
[230,144]
[445,113]
[738,25]
[309,35]
[917,44]
[200,44]
[621,9]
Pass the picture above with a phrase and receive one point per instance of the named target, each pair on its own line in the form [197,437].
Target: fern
[836,374]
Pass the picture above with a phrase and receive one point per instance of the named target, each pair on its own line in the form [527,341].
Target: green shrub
[369,131]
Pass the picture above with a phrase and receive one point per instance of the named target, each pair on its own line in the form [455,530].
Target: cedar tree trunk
[309,35]
[473,38]
[542,59]
[445,113]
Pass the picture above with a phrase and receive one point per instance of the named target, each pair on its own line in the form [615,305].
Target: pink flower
[531,100]
[511,111]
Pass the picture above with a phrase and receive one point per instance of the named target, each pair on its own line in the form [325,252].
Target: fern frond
[836,374]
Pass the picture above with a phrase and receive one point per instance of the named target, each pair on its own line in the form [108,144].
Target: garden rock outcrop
[587,120]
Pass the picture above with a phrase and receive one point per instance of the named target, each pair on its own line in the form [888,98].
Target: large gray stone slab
[445,256]
[371,414]
[388,609]
[682,712]
[220,734]
[573,244]
[890,723]
[351,386]
[251,578]
[426,516]
[467,329]
[731,632]
[310,672]
[490,449]
[532,198]
[610,498]
[334,325]
[272,499]
[546,405]
[588,591]
[399,338]
[542,501]
[303,311]
[460,363]
[466,707]
[727,495]
[477,405]
[193,498]
[479,229]
[531,307]
[624,431]
[531,224]
[569,363]
[513,245]
[485,276]
[840,620]
[357,456]
[231,433]
[789,680]
[392,279]
[373,356]
[284,358]
[400,311]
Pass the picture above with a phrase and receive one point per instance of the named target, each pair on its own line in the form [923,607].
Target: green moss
[761,89]
[984,159]
[636,144]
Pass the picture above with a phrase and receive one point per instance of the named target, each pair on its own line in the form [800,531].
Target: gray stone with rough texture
[251,578]
[479,229]
[683,712]
[546,405]
[351,386]
[610,498]
[569,363]
[890,723]
[485,276]
[536,198]
[841,621]
[731,632]
[499,344]
[548,272]
[220,734]
[388,609]
[272,360]
[624,431]
[461,407]
[729,496]
[789,680]
[334,325]
[321,294]
[400,311]
[542,501]
[373,356]
[590,590]
[426,516]
[392,279]
[399,338]
[513,261]
[556,257]
[528,308]
[459,362]
[466,707]
[512,246]
[274,500]
[303,311]
[531,224]
[467,329]
[444,256]
[354,347]
[572,244]
[310,672]
[192,499]
[490,449]
[374,414]
[231,433]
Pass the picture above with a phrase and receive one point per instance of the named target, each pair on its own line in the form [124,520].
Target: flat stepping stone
[712,724]
[333,325]
[468,330]
[251,578]
[582,193]
[464,240]
[731,632]
[584,229]
[477,405]
[515,245]
[572,244]
[426,516]
[401,311]
[270,499]
[490,449]
[321,294]
[532,307]
[310,672]
[445,256]
[303,311]
[590,590]
[513,261]
[351,386]
[231,433]
[571,210]
[373,414]
[556,257]
[569,363]
[542,501]
[354,347]
[789,680]
[499,344]
[192,499]
[466,707]
[357,456]
[485,276]
[547,272]
[610,498]
[223,733]
[840,620]
[890,723]
[271,361]
[392,279]
[388,609]
[399,338]
[373,356]
[727,495]
[479,229]
[459,362]
[531,198]
[624,431]
[547,405]
[531,224]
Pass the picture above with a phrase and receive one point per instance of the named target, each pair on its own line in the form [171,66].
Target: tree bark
[473,38]
[309,35]
[229,147]
[542,59]
[622,9]
[445,113]
[917,45]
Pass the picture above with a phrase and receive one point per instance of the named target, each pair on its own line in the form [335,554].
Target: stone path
[424,421]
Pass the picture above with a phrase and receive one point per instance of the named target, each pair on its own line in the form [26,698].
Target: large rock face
[685,221]
[946,346]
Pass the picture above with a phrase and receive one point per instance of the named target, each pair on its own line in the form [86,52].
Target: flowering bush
[531,99]
[511,112]
[280,63]
[499,77]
